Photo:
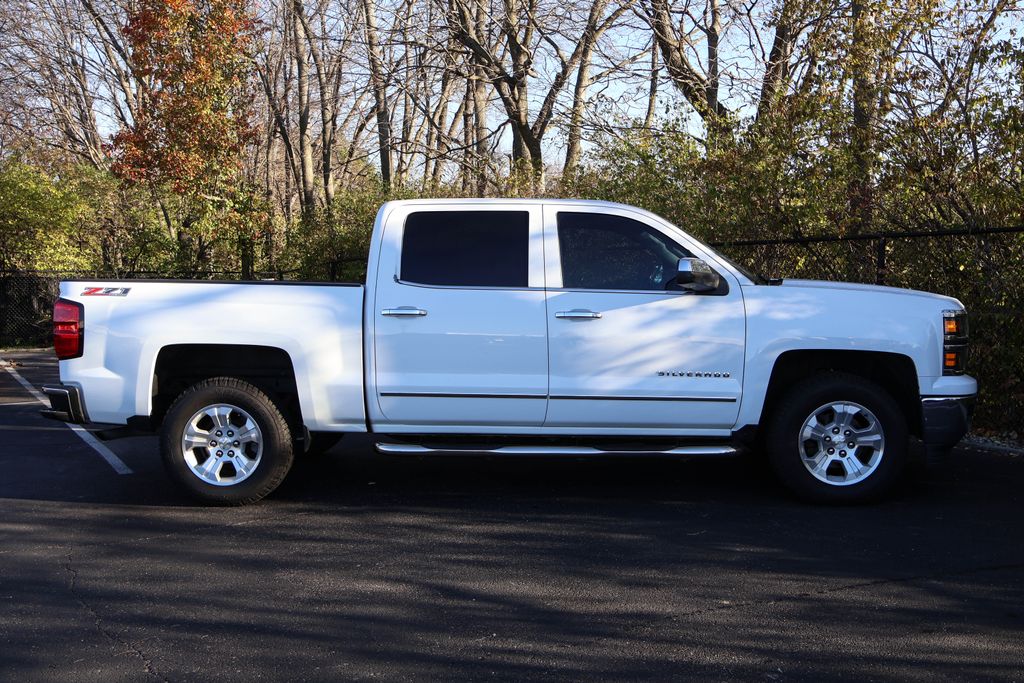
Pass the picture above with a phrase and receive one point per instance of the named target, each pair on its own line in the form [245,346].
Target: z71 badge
[106,291]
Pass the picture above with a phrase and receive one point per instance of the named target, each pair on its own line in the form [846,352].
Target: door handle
[577,314]
[404,312]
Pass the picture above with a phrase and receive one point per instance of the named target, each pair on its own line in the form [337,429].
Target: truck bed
[128,323]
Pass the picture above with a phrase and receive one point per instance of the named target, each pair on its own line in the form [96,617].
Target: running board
[570,451]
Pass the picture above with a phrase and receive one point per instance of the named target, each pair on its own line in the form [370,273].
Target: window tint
[600,251]
[467,248]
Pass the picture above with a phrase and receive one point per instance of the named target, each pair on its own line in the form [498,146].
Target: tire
[252,461]
[802,429]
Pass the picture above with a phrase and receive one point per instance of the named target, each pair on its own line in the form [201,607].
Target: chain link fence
[982,268]
[26,305]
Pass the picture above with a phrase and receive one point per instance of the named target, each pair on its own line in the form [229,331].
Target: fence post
[5,297]
[880,262]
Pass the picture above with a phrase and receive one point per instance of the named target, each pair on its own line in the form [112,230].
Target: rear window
[466,248]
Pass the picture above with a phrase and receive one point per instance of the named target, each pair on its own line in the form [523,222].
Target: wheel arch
[179,366]
[894,372]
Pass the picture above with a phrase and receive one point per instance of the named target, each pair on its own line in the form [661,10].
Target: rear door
[629,350]
[460,332]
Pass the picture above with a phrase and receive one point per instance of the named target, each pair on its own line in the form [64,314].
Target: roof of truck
[506,200]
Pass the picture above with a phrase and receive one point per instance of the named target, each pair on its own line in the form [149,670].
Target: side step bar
[570,451]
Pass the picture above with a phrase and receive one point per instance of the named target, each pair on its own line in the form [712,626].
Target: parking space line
[27,428]
[36,394]
[115,462]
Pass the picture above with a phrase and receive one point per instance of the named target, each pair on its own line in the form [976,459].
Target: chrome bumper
[945,420]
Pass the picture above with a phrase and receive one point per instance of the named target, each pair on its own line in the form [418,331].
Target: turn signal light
[954,342]
[68,337]
[954,323]
[953,361]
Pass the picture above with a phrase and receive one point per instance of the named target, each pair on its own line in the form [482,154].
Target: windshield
[757,278]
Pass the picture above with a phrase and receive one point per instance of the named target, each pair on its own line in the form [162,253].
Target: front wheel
[225,442]
[838,438]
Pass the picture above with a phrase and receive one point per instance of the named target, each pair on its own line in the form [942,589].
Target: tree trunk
[468,129]
[328,109]
[538,179]
[700,91]
[652,89]
[380,95]
[480,110]
[579,95]
[305,144]
[863,64]
[777,70]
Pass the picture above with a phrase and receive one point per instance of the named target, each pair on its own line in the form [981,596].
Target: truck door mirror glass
[696,275]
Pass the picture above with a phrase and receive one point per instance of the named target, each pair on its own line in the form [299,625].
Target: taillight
[68,333]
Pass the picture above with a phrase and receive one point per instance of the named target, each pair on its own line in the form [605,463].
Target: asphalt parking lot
[363,567]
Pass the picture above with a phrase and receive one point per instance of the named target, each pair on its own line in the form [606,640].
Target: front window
[603,251]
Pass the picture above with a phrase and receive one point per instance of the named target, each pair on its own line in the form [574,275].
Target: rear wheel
[838,438]
[225,442]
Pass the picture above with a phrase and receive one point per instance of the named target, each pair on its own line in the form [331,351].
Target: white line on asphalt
[105,453]
[26,428]
[36,394]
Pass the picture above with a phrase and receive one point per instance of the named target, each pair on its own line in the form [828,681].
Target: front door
[629,350]
[460,334]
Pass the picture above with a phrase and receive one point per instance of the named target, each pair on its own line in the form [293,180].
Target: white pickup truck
[515,328]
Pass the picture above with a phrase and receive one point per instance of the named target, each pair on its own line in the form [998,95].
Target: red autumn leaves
[192,117]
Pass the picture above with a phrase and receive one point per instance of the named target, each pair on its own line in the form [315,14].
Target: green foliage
[76,218]
[335,244]
[774,181]
[39,220]
[121,226]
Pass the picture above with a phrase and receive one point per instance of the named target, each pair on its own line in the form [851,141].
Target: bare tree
[527,33]
[380,95]
[74,76]
[597,24]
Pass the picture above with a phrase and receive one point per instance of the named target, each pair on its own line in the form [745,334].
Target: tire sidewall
[787,421]
[277,453]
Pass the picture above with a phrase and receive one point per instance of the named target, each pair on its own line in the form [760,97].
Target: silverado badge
[690,373]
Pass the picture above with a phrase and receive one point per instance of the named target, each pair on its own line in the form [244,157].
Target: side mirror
[696,276]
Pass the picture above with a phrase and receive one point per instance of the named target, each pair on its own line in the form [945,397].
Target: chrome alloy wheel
[222,444]
[841,443]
